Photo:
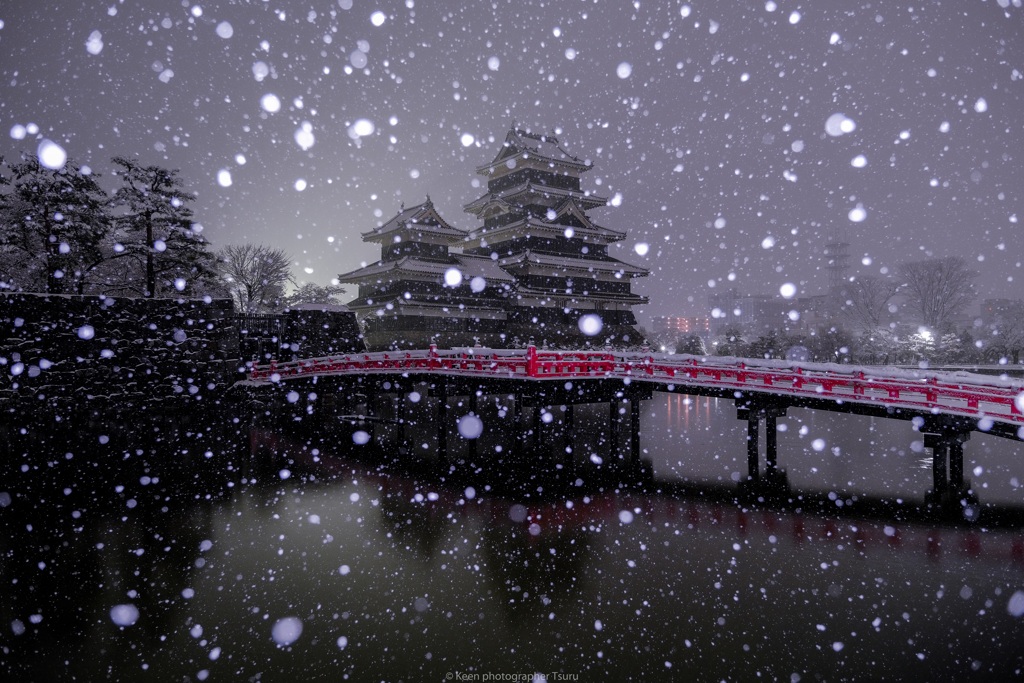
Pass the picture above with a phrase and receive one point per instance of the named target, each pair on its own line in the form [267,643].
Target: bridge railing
[957,393]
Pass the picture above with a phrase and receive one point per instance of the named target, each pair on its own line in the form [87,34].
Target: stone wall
[95,352]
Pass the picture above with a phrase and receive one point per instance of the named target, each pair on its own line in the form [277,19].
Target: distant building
[754,313]
[538,269]
[678,325]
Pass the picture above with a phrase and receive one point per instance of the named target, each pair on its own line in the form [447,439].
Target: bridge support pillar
[517,422]
[442,424]
[774,481]
[569,455]
[634,429]
[474,408]
[950,492]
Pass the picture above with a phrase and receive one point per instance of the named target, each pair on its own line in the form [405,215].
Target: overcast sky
[713,126]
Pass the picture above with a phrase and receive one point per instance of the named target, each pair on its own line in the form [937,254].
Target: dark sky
[706,122]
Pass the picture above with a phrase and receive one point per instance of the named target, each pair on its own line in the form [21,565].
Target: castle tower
[537,229]
[419,293]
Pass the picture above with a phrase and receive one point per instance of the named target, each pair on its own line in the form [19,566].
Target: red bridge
[987,399]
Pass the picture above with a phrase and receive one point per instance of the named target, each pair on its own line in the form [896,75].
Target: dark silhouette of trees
[938,289]
[311,293]
[155,226]
[53,226]
[867,303]
[255,275]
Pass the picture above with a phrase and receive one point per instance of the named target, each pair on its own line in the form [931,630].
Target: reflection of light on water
[681,409]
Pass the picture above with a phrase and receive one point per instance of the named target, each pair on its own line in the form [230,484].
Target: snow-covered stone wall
[65,351]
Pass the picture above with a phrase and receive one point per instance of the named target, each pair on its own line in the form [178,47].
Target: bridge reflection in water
[475,411]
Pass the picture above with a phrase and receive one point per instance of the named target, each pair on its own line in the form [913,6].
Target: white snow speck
[342,642]
[598,626]
[787,290]
[570,53]
[470,494]
[285,473]
[641,248]
[300,185]
[180,284]
[493,63]
[124,615]
[857,214]
[5,499]
[981,106]
[452,277]
[859,161]
[470,426]
[839,124]
[818,444]
[378,18]
[270,103]
[224,177]
[1015,606]
[344,569]
[86,332]
[467,139]
[225,30]
[837,646]
[18,131]
[794,18]
[360,437]
[362,127]
[624,70]
[51,155]
[625,516]
[591,324]
[293,396]
[286,631]
[478,284]
[768,242]
[304,135]
[94,45]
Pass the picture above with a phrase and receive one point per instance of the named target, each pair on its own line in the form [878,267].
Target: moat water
[214,547]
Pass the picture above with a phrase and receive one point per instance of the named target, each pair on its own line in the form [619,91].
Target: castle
[536,271]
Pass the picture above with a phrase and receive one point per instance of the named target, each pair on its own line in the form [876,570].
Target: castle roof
[521,143]
[419,223]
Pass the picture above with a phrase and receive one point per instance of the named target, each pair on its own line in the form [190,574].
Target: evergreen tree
[156,230]
[53,225]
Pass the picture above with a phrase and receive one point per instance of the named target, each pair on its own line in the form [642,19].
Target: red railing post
[432,357]
[531,361]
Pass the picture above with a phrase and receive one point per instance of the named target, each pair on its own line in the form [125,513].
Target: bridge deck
[981,397]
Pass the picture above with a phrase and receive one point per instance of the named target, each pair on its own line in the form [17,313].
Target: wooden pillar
[442,421]
[614,420]
[634,428]
[474,408]
[537,441]
[753,457]
[956,465]
[771,439]
[517,425]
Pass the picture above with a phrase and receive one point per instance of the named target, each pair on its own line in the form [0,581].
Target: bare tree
[312,293]
[1007,333]
[255,274]
[938,289]
[868,300]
